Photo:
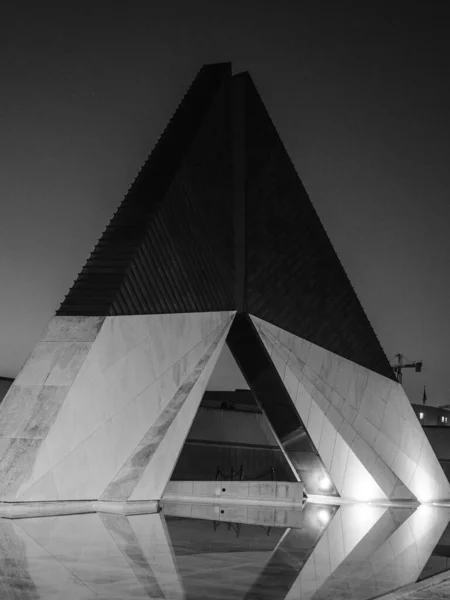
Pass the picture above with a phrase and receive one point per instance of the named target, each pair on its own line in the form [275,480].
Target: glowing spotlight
[323,516]
[325,483]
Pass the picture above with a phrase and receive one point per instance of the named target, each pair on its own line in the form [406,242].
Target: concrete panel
[372,414]
[81,405]
[148,469]
[339,462]
[327,443]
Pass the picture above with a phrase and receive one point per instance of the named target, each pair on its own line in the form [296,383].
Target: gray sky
[360,98]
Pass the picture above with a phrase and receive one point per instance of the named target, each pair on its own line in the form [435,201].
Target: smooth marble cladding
[361,423]
[150,457]
[33,402]
[88,393]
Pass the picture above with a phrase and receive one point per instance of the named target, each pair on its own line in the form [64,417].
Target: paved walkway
[434,588]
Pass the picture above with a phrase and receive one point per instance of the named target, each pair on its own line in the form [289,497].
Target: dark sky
[359,95]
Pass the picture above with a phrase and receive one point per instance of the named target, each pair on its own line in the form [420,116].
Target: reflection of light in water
[364,515]
[325,483]
[424,519]
[323,516]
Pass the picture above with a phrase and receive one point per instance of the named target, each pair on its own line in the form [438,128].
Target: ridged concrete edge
[401,592]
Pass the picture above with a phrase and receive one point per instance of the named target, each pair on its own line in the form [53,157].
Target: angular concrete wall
[361,423]
[103,405]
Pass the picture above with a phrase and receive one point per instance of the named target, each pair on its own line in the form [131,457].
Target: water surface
[189,552]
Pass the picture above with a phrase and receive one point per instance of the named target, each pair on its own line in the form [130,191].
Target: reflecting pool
[193,552]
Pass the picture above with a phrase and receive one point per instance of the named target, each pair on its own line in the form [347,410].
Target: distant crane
[400,365]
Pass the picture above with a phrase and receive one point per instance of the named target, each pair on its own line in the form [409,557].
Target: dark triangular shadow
[275,402]
[253,433]
[230,437]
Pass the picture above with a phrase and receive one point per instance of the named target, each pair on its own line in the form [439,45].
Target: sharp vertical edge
[239,188]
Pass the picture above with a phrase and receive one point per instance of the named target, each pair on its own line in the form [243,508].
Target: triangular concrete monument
[217,224]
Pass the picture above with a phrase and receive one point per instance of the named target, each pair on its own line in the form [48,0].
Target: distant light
[420,415]
[442,419]
[325,483]
[323,516]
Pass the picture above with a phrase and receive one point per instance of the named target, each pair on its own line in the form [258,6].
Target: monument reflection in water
[189,552]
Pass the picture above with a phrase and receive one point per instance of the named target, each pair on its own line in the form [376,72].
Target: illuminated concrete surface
[356,552]
[362,423]
[102,407]
[101,410]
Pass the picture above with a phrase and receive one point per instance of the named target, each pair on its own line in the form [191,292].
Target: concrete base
[254,493]
[24,510]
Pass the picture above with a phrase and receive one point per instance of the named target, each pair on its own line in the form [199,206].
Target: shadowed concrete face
[278,408]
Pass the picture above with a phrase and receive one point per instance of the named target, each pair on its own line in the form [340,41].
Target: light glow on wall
[323,516]
[359,484]
[423,486]
[325,483]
